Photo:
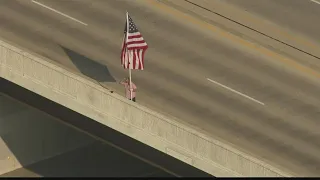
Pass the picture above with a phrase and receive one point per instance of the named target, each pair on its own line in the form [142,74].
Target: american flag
[133,47]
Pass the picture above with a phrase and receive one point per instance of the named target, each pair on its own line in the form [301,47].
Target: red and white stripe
[133,59]
[135,40]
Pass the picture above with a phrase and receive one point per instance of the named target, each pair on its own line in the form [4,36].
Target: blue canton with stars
[132,27]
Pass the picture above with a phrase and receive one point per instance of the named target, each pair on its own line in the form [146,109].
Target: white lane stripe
[74,19]
[239,93]
[317,2]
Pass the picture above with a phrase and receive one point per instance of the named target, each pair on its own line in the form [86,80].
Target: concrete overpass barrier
[138,122]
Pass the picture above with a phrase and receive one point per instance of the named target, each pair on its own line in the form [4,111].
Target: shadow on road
[89,67]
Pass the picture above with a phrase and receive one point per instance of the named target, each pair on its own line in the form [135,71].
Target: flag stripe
[134,36]
[136,43]
[135,46]
[135,40]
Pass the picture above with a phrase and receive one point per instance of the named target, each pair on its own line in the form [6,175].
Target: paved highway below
[296,15]
[95,160]
[222,88]
[92,158]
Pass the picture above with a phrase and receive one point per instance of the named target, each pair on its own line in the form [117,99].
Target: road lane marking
[237,92]
[317,2]
[269,53]
[58,12]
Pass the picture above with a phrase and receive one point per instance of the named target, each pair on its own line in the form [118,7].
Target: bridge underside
[100,131]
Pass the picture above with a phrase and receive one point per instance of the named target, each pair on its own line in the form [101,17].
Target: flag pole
[130,83]
[130,77]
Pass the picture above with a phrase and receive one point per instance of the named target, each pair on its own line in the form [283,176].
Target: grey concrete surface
[28,136]
[94,160]
[178,63]
[301,16]
[88,157]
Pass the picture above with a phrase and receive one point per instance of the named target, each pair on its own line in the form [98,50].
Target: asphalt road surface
[297,15]
[224,89]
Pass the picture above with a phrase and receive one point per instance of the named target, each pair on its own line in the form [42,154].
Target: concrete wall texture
[28,136]
[138,122]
